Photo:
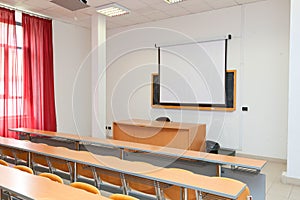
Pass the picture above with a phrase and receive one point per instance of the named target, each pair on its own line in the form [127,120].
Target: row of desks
[252,164]
[28,186]
[197,182]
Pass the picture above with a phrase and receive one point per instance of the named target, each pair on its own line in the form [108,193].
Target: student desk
[246,163]
[30,186]
[157,174]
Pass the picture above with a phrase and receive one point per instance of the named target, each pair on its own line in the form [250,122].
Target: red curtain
[10,75]
[38,73]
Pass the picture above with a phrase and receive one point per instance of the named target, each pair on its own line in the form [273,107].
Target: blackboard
[230,89]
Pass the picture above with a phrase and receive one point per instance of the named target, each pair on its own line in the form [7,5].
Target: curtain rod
[228,37]
[25,11]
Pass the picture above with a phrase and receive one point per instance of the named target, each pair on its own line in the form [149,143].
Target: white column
[293,151]
[98,54]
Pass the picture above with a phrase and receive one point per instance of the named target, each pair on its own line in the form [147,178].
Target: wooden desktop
[28,186]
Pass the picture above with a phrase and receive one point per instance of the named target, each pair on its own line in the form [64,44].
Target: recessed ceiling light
[112,10]
[172,1]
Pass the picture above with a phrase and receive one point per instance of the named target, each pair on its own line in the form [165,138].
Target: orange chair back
[86,187]
[24,168]
[4,163]
[122,197]
[52,177]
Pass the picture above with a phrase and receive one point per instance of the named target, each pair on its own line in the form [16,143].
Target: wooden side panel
[197,138]
[124,132]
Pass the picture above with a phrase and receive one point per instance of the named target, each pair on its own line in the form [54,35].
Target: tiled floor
[275,189]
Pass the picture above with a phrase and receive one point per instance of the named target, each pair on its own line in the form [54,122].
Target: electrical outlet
[245,108]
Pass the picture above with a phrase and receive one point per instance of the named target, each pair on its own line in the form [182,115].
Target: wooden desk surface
[35,187]
[180,153]
[193,181]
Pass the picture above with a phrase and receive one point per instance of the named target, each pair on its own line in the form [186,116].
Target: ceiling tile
[13,2]
[201,6]
[132,4]
[246,1]
[89,11]
[39,4]
[157,15]
[217,4]
[177,11]
[142,11]
[163,6]
[96,3]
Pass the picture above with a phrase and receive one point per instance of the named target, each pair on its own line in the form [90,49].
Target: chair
[175,192]
[87,171]
[102,176]
[144,185]
[52,177]
[40,162]
[122,197]
[57,165]
[13,155]
[212,146]
[4,163]
[112,177]
[86,187]
[243,196]
[24,168]
[163,119]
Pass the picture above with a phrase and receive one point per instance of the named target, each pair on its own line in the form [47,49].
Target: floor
[275,189]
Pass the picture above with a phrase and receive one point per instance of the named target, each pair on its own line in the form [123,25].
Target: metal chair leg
[198,195]
[72,178]
[124,184]
[96,178]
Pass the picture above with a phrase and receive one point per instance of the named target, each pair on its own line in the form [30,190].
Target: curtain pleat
[10,79]
[38,73]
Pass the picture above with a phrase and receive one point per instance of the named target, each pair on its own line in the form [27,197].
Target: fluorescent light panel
[173,1]
[112,10]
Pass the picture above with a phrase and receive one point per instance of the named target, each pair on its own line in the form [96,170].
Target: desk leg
[29,160]
[74,178]
[219,170]
[122,154]
[1,190]
[77,145]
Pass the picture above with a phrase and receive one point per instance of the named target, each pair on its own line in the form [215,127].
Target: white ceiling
[141,10]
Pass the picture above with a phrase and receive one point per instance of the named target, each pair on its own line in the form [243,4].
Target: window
[15,84]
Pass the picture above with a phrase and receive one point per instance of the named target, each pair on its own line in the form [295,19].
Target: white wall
[293,163]
[258,50]
[265,78]
[72,76]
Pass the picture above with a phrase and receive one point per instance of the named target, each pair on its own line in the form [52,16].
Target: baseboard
[289,180]
[268,159]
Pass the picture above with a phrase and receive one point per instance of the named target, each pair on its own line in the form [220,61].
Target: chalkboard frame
[229,106]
